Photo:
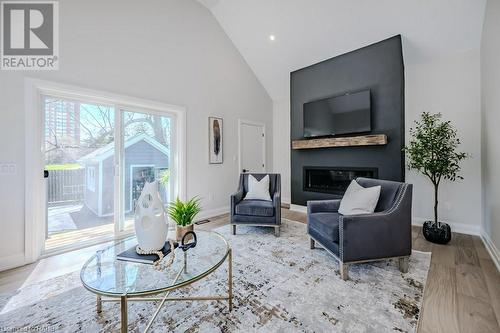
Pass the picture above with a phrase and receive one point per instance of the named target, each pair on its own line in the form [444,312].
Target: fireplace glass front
[334,180]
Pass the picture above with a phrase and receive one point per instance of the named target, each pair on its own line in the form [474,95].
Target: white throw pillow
[258,190]
[359,200]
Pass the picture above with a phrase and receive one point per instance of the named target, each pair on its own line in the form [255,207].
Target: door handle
[245,170]
[45,173]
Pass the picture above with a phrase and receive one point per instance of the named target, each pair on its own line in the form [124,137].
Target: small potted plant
[183,213]
[432,150]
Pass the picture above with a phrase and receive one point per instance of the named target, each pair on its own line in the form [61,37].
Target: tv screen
[346,114]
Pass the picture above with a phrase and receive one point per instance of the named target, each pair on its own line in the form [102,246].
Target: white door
[252,146]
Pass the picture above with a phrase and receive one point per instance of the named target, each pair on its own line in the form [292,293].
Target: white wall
[281,145]
[490,81]
[449,85]
[171,51]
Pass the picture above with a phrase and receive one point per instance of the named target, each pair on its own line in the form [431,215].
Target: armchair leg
[277,231]
[344,271]
[312,244]
[403,264]
[234,229]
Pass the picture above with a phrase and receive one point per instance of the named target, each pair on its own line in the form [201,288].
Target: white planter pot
[150,220]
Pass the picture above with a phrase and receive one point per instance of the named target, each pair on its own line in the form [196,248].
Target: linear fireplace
[334,180]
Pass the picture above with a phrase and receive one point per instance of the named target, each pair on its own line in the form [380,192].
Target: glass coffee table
[114,280]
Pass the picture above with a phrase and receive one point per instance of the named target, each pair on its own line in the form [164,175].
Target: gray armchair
[360,238]
[257,212]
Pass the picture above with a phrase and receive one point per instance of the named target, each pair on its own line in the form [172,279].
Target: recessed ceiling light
[272,38]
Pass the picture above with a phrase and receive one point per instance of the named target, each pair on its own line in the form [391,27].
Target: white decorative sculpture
[150,219]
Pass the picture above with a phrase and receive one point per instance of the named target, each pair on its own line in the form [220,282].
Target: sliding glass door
[147,157]
[79,138]
[98,157]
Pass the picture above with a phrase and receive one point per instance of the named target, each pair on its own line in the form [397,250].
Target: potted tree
[432,150]
[183,213]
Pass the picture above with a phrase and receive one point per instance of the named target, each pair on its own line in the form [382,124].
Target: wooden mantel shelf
[361,140]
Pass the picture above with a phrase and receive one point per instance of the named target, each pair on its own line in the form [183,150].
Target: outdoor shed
[145,160]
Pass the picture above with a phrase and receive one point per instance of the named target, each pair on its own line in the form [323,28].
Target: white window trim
[34,129]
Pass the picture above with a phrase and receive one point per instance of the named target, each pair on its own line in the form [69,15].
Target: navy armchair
[361,238]
[257,212]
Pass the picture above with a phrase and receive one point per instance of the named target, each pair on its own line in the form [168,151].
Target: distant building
[62,120]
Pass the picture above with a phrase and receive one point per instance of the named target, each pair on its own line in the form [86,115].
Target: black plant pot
[439,233]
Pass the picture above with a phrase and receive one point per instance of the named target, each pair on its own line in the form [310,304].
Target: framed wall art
[215,140]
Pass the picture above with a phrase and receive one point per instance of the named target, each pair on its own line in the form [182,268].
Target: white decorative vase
[150,219]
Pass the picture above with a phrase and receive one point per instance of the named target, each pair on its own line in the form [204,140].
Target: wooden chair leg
[312,244]
[344,271]
[277,231]
[234,229]
[403,264]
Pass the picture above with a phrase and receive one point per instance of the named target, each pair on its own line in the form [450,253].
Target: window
[91,178]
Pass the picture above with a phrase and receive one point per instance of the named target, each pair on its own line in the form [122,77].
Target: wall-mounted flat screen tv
[346,114]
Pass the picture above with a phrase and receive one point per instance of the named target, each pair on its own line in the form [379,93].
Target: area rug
[280,285]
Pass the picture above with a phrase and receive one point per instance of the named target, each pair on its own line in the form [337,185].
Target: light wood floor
[462,292]
[70,237]
[56,241]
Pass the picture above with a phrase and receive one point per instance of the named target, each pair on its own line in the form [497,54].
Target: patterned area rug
[279,284]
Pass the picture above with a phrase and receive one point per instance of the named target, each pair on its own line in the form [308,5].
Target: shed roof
[109,149]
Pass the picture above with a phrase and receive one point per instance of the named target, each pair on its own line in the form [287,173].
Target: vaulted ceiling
[308,31]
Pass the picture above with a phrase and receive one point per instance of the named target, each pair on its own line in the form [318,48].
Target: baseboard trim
[460,228]
[12,261]
[205,214]
[491,248]
[298,208]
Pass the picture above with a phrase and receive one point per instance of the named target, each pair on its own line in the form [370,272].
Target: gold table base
[124,299]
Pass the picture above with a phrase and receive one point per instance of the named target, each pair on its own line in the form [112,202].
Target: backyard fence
[65,185]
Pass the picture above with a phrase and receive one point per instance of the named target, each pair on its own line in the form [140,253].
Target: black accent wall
[378,67]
